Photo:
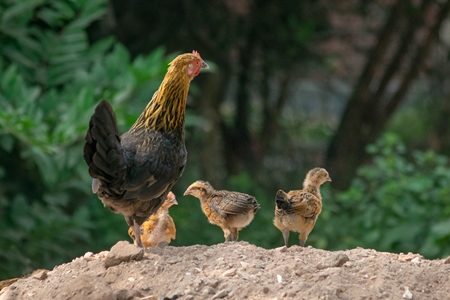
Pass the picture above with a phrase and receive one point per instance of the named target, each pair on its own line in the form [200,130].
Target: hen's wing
[233,203]
[157,160]
[299,203]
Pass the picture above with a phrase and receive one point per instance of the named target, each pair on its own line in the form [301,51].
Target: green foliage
[399,203]
[51,78]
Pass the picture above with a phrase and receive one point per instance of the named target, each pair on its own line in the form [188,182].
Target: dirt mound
[238,270]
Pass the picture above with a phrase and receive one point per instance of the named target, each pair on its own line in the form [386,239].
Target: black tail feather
[103,151]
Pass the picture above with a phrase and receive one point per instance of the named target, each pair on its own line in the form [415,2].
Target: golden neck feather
[166,109]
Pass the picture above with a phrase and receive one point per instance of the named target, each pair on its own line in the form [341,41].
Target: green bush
[51,78]
[398,203]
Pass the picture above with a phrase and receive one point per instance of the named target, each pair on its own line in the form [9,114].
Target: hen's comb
[196,53]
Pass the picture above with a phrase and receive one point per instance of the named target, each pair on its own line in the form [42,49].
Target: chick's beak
[174,201]
[204,65]
[329,179]
[188,192]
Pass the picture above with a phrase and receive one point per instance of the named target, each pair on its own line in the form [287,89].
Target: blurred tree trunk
[440,134]
[373,102]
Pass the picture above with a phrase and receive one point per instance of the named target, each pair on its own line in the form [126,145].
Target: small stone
[407,294]
[281,249]
[174,295]
[265,290]
[229,273]
[123,251]
[209,291]
[151,297]
[447,261]
[221,294]
[416,260]
[40,274]
[279,278]
[88,255]
[128,294]
[246,265]
[336,261]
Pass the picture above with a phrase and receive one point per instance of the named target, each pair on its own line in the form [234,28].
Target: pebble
[246,265]
[265,290]
[229,273]
[407,294]
[221,294]
[447,261]
[337,260]
[282,249]
[40,275]
[209,291]
[279,278]
[416,260]
[123,251]
[174,295]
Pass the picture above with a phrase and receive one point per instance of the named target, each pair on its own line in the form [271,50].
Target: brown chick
[298,210]
[159,227]
[231,211]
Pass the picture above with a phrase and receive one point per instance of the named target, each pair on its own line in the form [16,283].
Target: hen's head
[191,63]
[199,189]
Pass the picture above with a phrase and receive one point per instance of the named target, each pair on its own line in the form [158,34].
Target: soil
[237,270]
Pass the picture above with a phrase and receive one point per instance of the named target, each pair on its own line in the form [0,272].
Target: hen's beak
[204,65]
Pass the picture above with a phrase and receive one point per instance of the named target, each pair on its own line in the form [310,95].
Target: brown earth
[238,270]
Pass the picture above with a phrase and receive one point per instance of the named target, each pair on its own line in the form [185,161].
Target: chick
[298,210]
[159,227]
[231,211]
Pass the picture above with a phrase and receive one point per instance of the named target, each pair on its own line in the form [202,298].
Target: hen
[159,227]
[231,211]
[298,210]
[133,173]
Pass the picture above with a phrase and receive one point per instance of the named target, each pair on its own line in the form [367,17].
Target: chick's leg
[227,234]
[234,234]
[303,237]
[285,237]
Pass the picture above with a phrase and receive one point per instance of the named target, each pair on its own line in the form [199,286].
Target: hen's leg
[137,234]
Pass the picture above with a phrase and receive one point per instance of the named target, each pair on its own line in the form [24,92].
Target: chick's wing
[304,204]
[231,203]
